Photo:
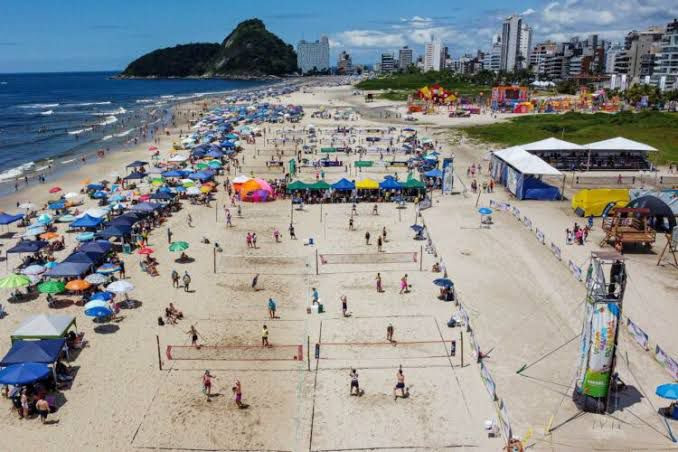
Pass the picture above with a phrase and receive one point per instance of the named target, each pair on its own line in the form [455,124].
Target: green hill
[248,51]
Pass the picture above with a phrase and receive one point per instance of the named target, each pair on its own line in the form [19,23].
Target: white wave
[42,168]
[39,106]
[107,137]
[109,120]
[65,162]
[144,101]
[119,111]
[3,83]
[16,172]
[125,133]
[87,104]
[168,96]
[78,132]
[47,113]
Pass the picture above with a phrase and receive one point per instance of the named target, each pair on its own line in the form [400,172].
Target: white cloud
[334,43]
[371,38]
[528,12]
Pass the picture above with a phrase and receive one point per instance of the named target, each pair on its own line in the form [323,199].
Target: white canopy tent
[526,163]
[44,326]
[620,144]
[517,169]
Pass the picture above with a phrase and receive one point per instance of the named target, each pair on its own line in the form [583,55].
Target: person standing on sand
[169,235]
[254,282]
[350,224]
[379,243]
[264,337]
[404,286]
[175,279]
[237,391]
[189,220]
[344,305]
[383,233]
[254,240]
[389,332]
[315,297]
[42,407]
[193,333]
[380,289]
[229,223]
[207,384]
[187,281]
[367,237]
[292,234]
[271,308]
[354,382]
[400,384]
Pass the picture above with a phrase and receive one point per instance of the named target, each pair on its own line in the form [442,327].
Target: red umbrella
[55,189]
[144,197]
[152,148]
[146,250]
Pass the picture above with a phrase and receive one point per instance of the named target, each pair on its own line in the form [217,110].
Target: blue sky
[43,36]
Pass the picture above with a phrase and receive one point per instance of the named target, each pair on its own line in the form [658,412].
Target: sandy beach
[523,303]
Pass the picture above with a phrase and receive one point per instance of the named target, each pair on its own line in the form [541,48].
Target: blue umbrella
[668,391]
[24,373]
[97,308]
[57,205]
[417,227]
[484,211]
[107,269]
[99,194]
[104,296]
[443,282]
[85,237]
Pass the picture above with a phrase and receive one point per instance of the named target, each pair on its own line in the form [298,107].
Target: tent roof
[28,246]
[367,184]
[525,162]
[551,144]
[620,144]
[297,185]
[319,185]
[45,351]
[87,221]
[68,269]
[44,326]
[343,184]
[7,218]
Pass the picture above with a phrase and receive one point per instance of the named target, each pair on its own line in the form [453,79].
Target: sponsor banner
[448,175]
[540,235]
[575,269]
[489,382]
[515,211]
[555,249]
[464,316]
[475,348]
[498,205]
[527,222]
[604,323]
[665,360]
[638,334]
[504,421]
[425,203]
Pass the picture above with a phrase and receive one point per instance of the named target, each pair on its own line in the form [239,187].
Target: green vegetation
[654,128]
[395,95]
[248,51]
[412,80]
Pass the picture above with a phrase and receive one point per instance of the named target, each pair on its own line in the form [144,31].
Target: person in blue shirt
[271,308]
[315,295]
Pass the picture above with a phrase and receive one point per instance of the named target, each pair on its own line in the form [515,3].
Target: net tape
[235,352]
[384,350]
[369,258]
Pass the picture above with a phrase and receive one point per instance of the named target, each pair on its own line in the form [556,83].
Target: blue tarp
[45,351]
[28,246]
[86,221]
[202,175]
[435,172]
[115,231]
[65,269]
[85,257]
[162,196]
[98,246]
[7,219]
[146,207]
[343,185]
[134,175]
[529,187]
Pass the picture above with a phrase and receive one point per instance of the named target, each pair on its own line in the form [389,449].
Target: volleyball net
[235,353]
[370,258]
[385,350]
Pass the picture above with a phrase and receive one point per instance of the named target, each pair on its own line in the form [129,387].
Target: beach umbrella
[107,269]
[52,287]
[120,286]
[416,227]
[201,166]
[214,164]
[14,281]
[443,282]
[98,308]
[152,148]
[55,189]
[205,189]
[146,251]
[23,373]
[485,211]
[33,270]
[45,219]
[77,285]
[50,264]
[85,237]
[668,391]
[178,246]
[56,205]
[192,191]
[187,183]
[157,181]
[71,195]
[68,218]
[27,205]
[102,296]
[49,235]
[96,279]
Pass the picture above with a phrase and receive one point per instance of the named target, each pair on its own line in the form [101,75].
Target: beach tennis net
[273,265]
[383,350]
[235,353]
[369,258]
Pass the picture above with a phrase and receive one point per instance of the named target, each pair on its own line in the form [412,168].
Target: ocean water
[51,119]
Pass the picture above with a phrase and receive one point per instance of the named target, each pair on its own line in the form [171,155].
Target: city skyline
[45,37]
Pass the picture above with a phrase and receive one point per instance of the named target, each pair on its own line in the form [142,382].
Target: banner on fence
[464,316]
[575,269]
[504,421]
[516,212]
[555,249]
[475,348]
[638,334]
[540,235]
[489,382]
[499,205]
[527,222]
[665,360]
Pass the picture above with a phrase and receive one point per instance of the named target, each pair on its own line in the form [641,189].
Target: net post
[308,352]
[316,261]
[214,259]
[421,258]
[461,347]
[157,341]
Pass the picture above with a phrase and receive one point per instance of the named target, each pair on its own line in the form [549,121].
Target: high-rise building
[404,58]
[511,43]
[344,63]
[634,61]
[538,56]
[610,56]
[665,74]
[387,63]
[313,55]
[433,56]
[524,46]
[493,60]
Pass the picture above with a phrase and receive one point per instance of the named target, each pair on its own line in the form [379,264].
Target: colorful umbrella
[443,282]
[45,219]
[49,236]
[14,281]
[55,189]
[120,286]
[85,237]
[96,279]
[52,287]
[98,308]
[34,270]
[77,285]
[102,296]
[485,211]
[668,391]
[201,166]
[107,269]
[146,251]
[178,246]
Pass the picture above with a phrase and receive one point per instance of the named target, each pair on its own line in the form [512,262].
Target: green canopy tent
[44,327]
[320,185]
[297,185]
[363,163]
[412,183]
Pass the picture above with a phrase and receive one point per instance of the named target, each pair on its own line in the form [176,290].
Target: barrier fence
[500,407]
[636,332]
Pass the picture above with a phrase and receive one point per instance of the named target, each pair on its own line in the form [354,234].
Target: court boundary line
[450,446]
[315,387]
